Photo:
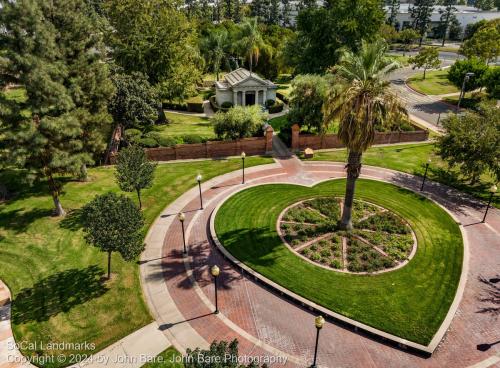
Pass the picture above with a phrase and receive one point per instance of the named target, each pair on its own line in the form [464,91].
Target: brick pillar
[295,137]
[269,139]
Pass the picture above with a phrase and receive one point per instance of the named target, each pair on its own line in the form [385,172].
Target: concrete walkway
[180,292]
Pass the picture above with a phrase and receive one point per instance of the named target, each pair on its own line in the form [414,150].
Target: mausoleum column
[235,98]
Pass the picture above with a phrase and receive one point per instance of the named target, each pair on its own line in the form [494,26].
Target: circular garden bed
[410,302]
[380,241]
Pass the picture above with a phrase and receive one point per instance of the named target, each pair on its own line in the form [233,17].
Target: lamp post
[493,190]
[215,271]
[198,179]
[425,174]
[462,92]
[182,217]
[243,155]
[318,322]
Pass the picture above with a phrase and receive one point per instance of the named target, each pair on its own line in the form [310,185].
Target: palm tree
[214,47]
[360,100]
[251,41]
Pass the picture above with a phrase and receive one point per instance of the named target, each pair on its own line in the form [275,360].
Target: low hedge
[180,106]
[195,104]
[282,97]
[276,107]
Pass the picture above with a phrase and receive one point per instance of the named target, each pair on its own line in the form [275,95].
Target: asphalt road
[427,108]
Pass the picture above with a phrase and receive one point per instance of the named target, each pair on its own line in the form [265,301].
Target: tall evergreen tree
[54,50]
[274,12]
[229,9]
[393,11]
[285,13]
[237,11]
[420,14]
[447,15]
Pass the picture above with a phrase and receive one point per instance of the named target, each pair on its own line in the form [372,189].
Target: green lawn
[403,60]
[170,358]
[411,158]
[410,302]
[55,278]
[285,89]
[435,83]
[185,124]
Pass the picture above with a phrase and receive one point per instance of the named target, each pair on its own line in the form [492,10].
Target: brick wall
[303,141]
[214,149]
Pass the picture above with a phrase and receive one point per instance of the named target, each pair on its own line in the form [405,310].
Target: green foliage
[393,12]
[135,103]
[156,39]
[306,101]
[226,105]
[472,142]
[427,58]
[491,80]
[63,124]
[251,43]
[239,122]
[219,355]
[484,43]
[457,72]
[472,28]
[484,4]
[407,36]
[215,48]
[324,30]
[113,223]
[420,14]
[134,171]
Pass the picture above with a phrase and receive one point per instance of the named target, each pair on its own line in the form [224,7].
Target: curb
[384,337]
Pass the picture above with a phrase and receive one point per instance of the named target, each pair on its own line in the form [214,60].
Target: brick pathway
[181,296]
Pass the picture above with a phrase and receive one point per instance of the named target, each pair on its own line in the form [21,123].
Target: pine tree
[54,50]
[274,12]
[421,15]
[447,15]
[285,13]
[393,11]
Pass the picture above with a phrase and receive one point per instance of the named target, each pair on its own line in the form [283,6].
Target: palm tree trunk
[353,170]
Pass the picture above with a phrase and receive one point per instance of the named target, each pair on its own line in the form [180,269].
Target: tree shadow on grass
[20,219]
[58,293]
[73,220]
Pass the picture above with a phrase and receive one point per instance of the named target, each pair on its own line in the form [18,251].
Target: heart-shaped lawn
[410,302]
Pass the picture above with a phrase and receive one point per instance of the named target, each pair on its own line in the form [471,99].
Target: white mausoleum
[240,87]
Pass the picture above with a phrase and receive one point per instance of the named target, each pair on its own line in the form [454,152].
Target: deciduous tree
[134,171]
[485,43]
[457,72]
[472,142]
[113,223]
[427,58]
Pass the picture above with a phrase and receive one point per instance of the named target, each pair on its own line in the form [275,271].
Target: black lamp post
[215,271]
[493,190]
[243,155]
[198,179]
[182,217]
[462,92]
[318,322]
[425,174]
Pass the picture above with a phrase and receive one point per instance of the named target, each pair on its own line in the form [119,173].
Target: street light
[462,93]
[182,217]
[215,271]
[243,155]
[493,190]
[425,174]
[198,179]
[318,322]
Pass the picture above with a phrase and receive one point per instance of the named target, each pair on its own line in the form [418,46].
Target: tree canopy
[321,32]
[63,124]
[427,58]
[113,223]
[472,142]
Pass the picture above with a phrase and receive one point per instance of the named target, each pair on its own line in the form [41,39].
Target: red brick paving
[288,327]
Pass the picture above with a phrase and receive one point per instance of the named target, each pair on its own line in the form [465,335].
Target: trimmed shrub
[269,103]
[276,107]
[192,139]
[180,106]
[195,104]
[226,105]
[167,141]
[132,135]
[148,142]
[239,122]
